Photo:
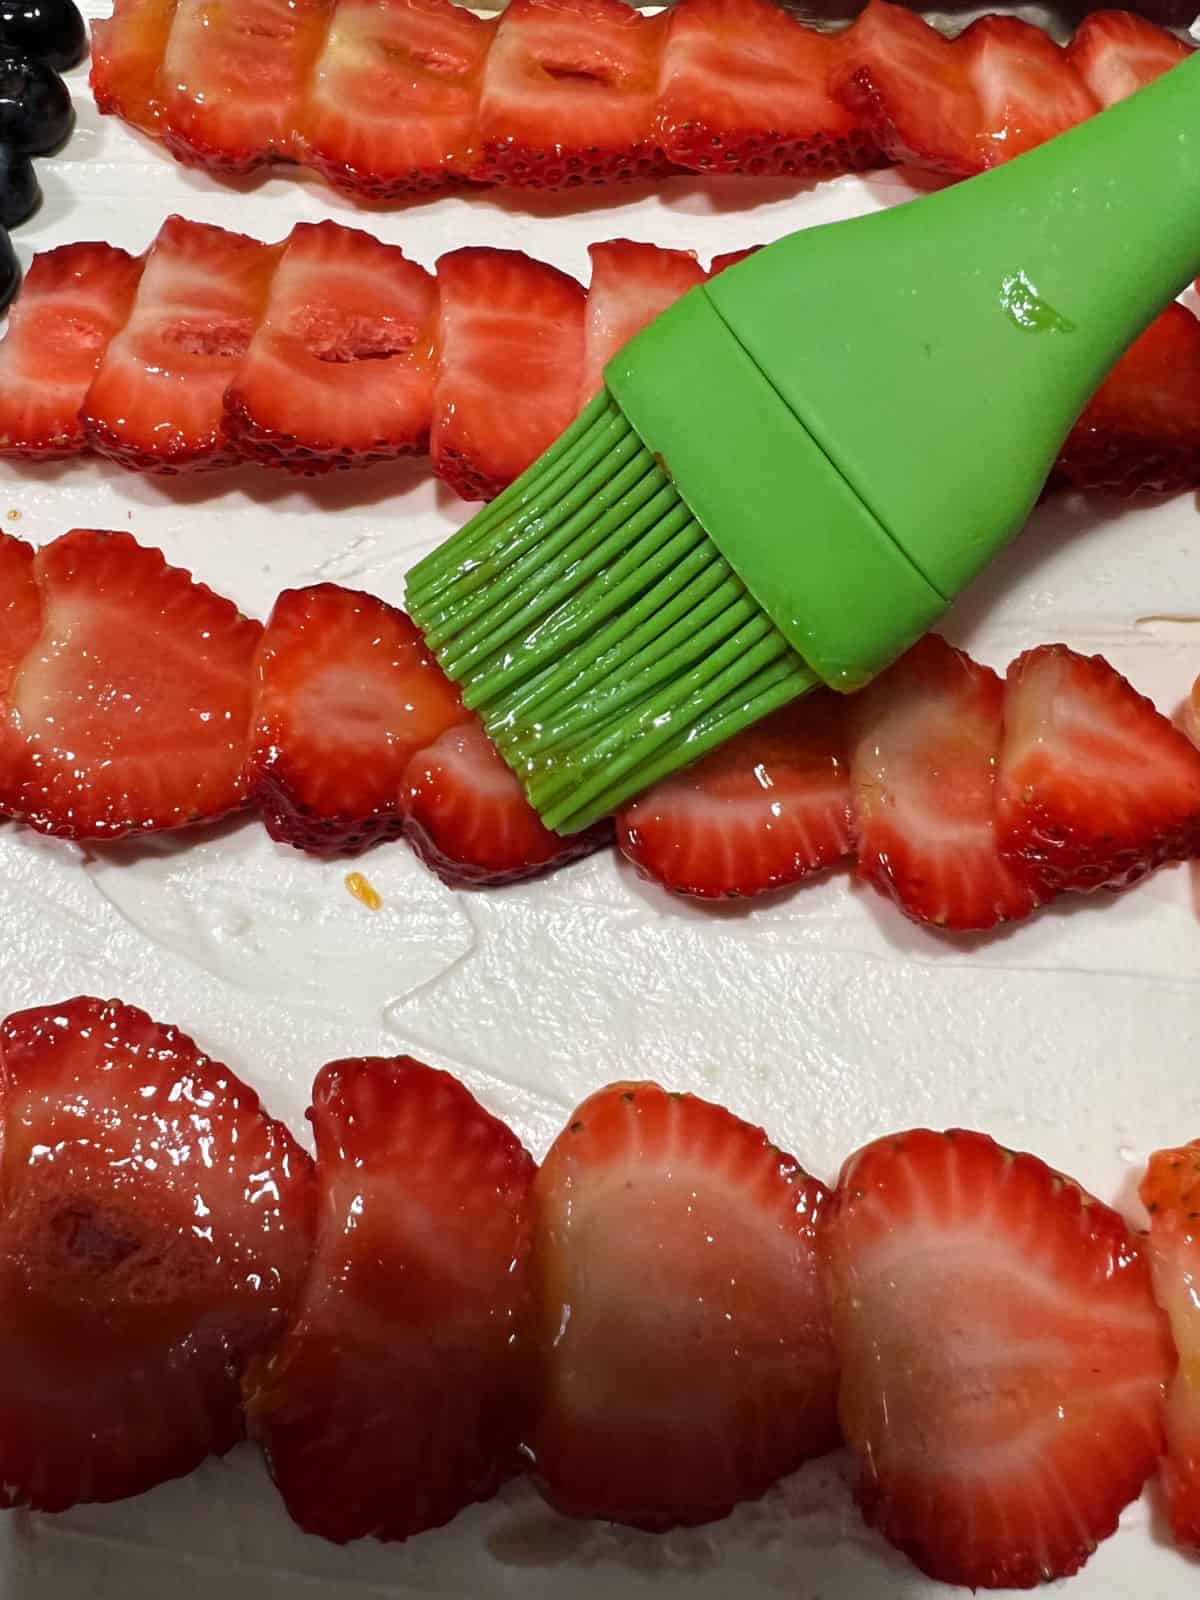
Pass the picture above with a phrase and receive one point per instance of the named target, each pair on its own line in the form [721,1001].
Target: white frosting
[823,1014]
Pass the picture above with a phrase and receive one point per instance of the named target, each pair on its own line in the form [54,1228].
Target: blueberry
[48,30]
[10,272]
[36,113]
[20,192]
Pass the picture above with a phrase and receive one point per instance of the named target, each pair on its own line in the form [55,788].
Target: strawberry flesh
[1027,90]
[20,624]
[1003,1362]
[1118,52]
[155,1226]
[127,55]
[346,693]
[682,1331]
[393,1398]
[340,370]
[630,285]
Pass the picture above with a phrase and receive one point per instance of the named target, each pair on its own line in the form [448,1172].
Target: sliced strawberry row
[334,350]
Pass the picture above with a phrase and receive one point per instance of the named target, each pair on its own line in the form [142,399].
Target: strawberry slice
[682,1329]
[234,78]
[1118,52]
[155,403]
[127,54]
[510,348]
[129,711]
[1003,1362]
[392,105]
[731,258]
[1028,90]
[155,1227]
[745,88]
[631,284]
[20,623]
[569,95]
[340,370]
[1141,430]
[1095,787]
[1170,1192]
[73,300]
[769,808]
[923,771]
[393,1399]
[469,821]
[346,694]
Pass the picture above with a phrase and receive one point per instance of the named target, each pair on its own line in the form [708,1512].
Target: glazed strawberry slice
[1028,90]
[346,693]
[340,370]
[393,1399]
[769,808]
[155,1227]
[234,78]
[1170,1192]
[745,88]
[681,1329]
[569,94]
[20,624]
[127,54]
[155,403]
[469,821]
[631,284]
[1141,430]
[1118,52]
[129,711]
[74,299]
[393,101]
[510,358]
[1002,1359]
[1095,788]
[923,772]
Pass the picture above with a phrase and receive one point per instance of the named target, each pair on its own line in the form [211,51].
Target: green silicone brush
[791,473]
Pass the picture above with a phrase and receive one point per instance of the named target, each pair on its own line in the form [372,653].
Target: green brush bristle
[595,627]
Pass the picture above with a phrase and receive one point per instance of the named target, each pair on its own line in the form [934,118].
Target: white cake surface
[823,1014]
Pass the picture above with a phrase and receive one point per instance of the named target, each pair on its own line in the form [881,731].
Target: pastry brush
[792,472]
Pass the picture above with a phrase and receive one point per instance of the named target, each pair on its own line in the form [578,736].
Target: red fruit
[346,692]
[468,818]
[569,93]
[73,300]
[1117,52]
[770,807]
[20,622]
[1141,430]
[156,1227]
[1003,1362]
[923,771]
[234,79]
[129,711]
[155,403]
[340,370]
[745,88]
[1170,1192]
[682,1328]
[1095,787]
[510,355]
[1028,90]
[631,283]
[127,53]
[731,258]
[392,105]
[393,1399]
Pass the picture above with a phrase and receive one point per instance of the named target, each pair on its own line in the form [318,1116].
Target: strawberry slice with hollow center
[1118,52]
[346,692]
[234,77]
[1003,1361]
[630,285]
[769,808]
[392,1401]
[923,772]
[745,88]
[155,403]
[1095,788]
[682,1329]
[510,357]
[569,95]
[392,106]
[129,711]
[127,55]
[155,1226]
[72,302]
[340,370]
